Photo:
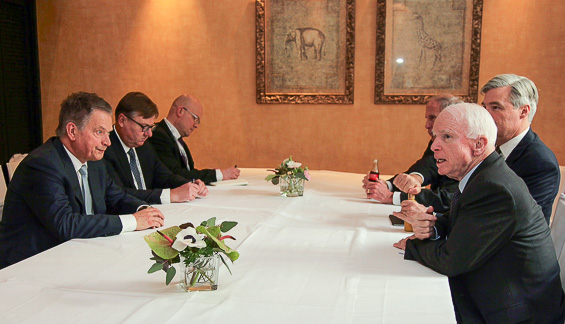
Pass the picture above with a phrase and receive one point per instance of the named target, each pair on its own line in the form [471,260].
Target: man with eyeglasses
[134,165]
[183,118]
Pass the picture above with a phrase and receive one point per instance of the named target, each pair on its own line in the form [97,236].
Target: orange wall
[207,48]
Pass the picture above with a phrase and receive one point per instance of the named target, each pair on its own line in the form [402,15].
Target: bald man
[184,117]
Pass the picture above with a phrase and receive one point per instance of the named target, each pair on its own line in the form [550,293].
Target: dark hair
[77,109]
[136,102]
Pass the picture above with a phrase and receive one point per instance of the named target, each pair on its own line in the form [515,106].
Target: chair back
[558,235]
[13,164]
[3,189]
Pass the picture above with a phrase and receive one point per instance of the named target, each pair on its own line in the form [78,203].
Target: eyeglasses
[144,128]
[196,118]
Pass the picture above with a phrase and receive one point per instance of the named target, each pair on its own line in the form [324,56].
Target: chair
[561,189]
[3,190]
[558,235]
[13,164]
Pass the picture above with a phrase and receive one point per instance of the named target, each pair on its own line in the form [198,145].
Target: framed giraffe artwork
[305,51]
[426,48]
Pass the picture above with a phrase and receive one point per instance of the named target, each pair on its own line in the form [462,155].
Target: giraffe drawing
[426,42]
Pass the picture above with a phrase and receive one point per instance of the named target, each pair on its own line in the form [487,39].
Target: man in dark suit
[183,118]
[61,190]
[422,173]
[494,244]
[133,163]
[512,102]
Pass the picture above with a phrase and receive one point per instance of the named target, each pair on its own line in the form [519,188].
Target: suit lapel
[122,159]
[70,173]
[176,147]
[96,190]
[524,143]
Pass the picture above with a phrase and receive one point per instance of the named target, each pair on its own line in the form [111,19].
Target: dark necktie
[183,153]
[134,169]
[85,190]
[455,198]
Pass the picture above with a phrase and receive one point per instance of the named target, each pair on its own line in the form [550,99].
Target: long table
[326,257]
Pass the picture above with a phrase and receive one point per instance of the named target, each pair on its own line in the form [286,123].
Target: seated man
[135,166]
[494,244]
[61,190]
[422,173]
[512,102]
[183,118]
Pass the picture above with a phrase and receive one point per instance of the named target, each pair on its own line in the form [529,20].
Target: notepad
[233,182]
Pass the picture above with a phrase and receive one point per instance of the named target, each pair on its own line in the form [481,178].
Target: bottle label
[373,176]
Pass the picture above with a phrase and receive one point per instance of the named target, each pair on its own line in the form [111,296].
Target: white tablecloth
[326,257]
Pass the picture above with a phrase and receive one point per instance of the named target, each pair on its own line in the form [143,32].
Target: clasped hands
[409,183]
[189,191]
[421,218]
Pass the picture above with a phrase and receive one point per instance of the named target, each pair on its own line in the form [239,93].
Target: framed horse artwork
[426,48]
[305,51]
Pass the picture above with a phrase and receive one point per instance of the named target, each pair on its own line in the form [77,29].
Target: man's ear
[121,120]
[480,145]
[525,111]
[72,131]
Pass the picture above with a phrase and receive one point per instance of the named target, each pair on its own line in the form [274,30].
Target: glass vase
[291,186]
[200,275]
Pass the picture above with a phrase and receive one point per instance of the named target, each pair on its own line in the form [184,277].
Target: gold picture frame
[426,48]
[305,51]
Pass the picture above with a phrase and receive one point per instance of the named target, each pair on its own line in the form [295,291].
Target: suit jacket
[441,189]
[156,175]
[168,151]
[44,205]
[536,164]
[499,255]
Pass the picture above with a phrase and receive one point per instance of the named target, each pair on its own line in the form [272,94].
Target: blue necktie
[134,169]
[85,190]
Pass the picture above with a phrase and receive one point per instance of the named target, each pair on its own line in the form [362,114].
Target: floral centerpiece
[291,177]
[196,249]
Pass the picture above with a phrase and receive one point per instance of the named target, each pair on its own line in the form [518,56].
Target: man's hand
[230,173]
[202,189]
[379,191]
[186,192]
[149,218]
[402,243]
[421,218]
[409,183]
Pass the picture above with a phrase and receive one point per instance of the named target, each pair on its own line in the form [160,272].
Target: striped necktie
[135,169]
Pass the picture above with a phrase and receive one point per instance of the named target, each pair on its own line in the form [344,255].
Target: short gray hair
[77,108]
[523,91]
[479,122]
[445,100]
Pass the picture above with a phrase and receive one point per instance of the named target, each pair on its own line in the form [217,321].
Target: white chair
[3,190]
[558,234]
[13,164]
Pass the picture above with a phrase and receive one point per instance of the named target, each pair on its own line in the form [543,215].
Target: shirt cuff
[166,196]
[421,176]
[389,185]
[129,223]
[396,198]
[219,175]
[436,237]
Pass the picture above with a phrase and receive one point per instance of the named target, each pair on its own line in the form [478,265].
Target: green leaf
[234,255]
[301,176]
[270,176]
[214,231]
[227,225]
[160,246]
[211,222]
[226,249]
[275,181]
[155,267]
[170,275]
